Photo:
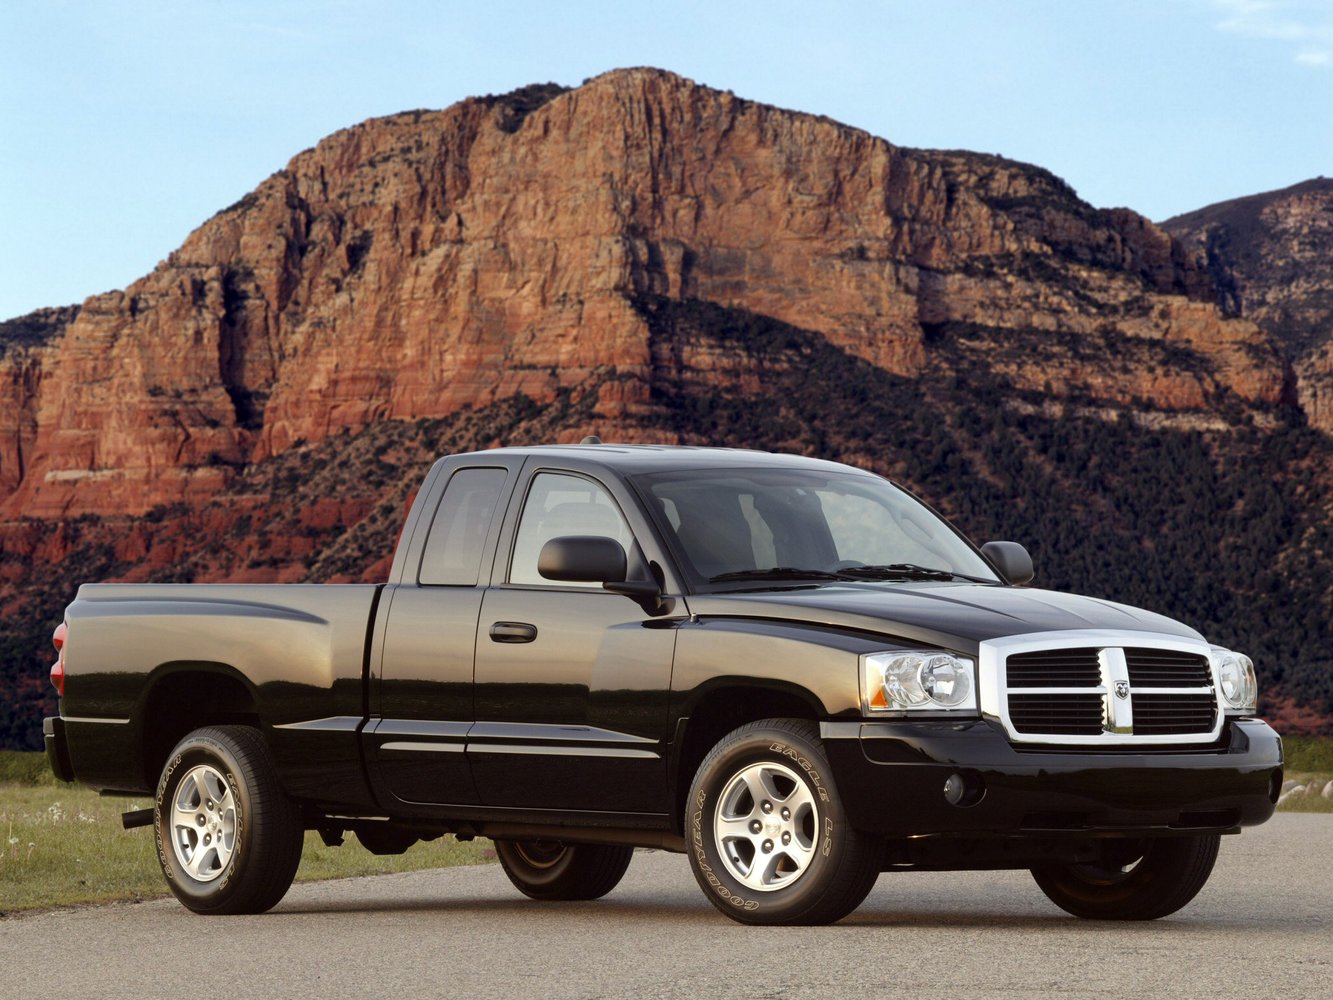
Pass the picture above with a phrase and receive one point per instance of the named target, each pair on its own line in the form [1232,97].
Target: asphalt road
[1262,927]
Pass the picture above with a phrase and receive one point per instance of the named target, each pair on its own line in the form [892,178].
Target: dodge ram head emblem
[1122,689]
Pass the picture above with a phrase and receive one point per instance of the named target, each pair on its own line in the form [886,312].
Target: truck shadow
[666,911]
[601,909]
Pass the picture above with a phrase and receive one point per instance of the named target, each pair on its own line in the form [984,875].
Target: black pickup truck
[788,669]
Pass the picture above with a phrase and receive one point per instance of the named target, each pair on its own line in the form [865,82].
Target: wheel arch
[717,708]
[184,695]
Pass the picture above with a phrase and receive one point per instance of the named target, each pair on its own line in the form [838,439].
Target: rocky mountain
[653,260]
[1271,258]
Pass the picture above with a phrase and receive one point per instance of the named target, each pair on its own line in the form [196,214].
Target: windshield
[788,525]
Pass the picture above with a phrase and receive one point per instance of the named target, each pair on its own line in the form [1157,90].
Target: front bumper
[892,776]
[57,747]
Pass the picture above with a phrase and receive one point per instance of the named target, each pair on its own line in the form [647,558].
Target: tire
[228,838]
[552,870]
[766,833]
[1135,880]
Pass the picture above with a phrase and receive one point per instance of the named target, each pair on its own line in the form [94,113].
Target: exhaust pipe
[136,817]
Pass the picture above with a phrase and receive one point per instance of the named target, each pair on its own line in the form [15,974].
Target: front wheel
[551,869]
[766,834]
[228,838]
[1133,879]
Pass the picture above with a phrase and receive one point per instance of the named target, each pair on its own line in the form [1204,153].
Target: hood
[953,615]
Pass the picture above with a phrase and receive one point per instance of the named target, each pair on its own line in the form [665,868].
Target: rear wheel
[228,838]
[1133,879]
[766,833]
[552,869]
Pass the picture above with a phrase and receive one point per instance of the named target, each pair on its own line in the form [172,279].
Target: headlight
[917,681]
[1235,678]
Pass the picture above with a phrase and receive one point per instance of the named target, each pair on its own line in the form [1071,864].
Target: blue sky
[126,124]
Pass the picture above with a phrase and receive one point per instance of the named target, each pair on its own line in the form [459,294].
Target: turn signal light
[58,668]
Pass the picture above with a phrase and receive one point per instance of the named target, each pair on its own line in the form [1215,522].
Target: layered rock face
[413,265]
[1271,256]
[29,347]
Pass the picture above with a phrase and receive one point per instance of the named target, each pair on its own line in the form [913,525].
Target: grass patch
[18,767]
[1309,762]
[1308,753]
[351,859]
[63,844]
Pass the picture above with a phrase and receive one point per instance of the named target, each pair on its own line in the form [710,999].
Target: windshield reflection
[751,525]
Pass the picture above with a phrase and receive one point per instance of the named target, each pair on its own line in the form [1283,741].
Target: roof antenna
[591,439]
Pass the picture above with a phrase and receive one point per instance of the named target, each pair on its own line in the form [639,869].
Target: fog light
[964,789]
[954,789]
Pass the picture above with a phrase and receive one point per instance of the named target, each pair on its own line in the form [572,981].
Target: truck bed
[296,657]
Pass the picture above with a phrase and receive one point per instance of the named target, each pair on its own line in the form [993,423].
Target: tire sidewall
[1166,878]
[810,765]
[536,878]
[1087,885]
[193,751]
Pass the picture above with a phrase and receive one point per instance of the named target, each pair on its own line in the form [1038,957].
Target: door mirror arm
[645,593]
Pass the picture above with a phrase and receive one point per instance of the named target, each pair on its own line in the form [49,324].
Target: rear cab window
[458,532]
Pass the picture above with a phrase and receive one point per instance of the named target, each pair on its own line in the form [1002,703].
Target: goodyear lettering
[701,860]
[167,868]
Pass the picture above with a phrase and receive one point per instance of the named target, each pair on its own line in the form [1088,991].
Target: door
[571,680]
[423,692]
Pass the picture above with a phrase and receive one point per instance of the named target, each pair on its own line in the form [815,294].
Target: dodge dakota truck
[791,670]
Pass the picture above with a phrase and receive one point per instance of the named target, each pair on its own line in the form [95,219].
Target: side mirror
[1011,559]
[596,559]
[582,559]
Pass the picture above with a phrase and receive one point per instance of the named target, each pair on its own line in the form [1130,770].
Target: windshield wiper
[777,573]
[907,571]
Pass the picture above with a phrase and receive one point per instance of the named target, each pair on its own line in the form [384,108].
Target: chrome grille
[1055,668]
[1065,714]
[1167,668]
[1170,714]
[1111,688]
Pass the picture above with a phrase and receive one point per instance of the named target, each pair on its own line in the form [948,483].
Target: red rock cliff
[413,265]
[1272,257]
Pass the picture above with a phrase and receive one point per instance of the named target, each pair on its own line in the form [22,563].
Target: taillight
[58,668]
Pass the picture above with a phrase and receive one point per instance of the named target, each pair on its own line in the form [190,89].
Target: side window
[563,505]
[458,532]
